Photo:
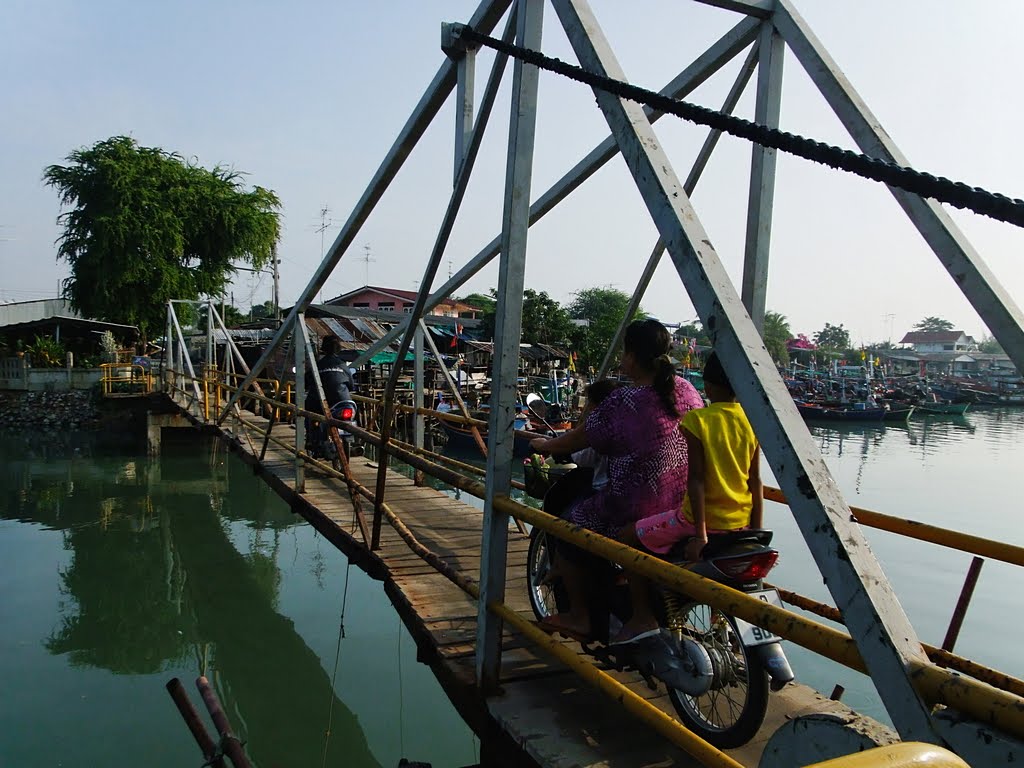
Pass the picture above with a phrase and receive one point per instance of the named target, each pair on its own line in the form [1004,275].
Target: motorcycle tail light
[748,567]
[347,414]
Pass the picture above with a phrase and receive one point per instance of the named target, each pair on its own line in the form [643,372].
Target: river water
[121,572]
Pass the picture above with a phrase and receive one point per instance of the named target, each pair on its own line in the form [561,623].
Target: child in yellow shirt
[723,492]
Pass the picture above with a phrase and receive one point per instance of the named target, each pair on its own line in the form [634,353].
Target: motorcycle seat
[720,542]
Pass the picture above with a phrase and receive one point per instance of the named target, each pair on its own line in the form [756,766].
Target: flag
[863,355]
[572,362]
[455,338]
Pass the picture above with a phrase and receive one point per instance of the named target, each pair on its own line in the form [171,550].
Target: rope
[955,193]
[337,657]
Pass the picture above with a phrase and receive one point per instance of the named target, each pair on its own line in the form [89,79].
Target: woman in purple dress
[637,428]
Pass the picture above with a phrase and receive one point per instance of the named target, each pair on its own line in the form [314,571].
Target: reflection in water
[153,584]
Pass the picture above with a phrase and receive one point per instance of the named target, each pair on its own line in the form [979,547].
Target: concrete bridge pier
[156,422]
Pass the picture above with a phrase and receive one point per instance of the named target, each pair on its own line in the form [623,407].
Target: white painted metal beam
[703,156]
[761,9]
[487,15]
[884,635]
[515,226]
[761,199]
[703,67]
[988,297]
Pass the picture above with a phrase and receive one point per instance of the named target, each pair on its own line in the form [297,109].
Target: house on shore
[380,299]
[947,353]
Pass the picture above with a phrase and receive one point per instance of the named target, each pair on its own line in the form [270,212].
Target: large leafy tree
[776,336]
[142,226]
[833,338]
[603,308]
[932,324]
[545,321]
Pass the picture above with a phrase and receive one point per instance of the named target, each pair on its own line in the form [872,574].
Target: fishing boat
[842,413]
[898,413]
[460,436]
[537,418]
[958,409]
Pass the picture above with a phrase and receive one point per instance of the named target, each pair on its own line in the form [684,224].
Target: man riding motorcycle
[337,380]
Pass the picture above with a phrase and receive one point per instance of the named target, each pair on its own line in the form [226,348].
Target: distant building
[928,342]
[396,300]
[947,353]
[40,309]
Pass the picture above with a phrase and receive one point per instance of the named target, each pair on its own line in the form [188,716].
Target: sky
[307,97]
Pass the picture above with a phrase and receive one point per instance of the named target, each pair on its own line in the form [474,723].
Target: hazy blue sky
[307,97]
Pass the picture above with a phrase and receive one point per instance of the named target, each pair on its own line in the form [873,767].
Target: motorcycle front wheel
[544,591]
[731,712]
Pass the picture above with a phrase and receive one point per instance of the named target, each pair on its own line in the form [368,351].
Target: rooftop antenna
[324,224]
[449,269]
[367,258]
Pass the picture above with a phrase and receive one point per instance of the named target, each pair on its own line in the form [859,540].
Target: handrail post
[957,621]
[419,428]
[299,343]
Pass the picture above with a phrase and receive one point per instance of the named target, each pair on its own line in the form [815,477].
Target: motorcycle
[323,445]
[718,669]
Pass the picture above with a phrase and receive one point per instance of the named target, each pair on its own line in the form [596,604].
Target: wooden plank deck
[555,718]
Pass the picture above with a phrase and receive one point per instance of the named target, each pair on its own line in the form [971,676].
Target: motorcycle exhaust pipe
[774,660]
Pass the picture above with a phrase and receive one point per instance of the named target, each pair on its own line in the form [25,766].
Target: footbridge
[457,573]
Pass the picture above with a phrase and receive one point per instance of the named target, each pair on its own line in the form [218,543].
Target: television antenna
[367,259]
[889,316]
[325,222]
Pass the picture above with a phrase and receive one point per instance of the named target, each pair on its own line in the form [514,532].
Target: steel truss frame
[886,640]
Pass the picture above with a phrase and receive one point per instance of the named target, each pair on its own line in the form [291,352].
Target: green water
[120,573]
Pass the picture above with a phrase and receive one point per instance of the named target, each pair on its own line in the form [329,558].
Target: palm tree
[776,334]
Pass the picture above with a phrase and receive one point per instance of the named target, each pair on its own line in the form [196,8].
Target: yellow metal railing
[909,754]
[936,685]
[123,379]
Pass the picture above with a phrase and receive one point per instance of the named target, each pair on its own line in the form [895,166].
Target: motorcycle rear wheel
[732,711]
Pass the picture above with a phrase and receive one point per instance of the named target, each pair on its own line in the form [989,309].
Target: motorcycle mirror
[537,405]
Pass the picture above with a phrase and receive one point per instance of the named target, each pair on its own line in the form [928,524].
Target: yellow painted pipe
[907,754]
[635,704]
[965,542]
[982,702]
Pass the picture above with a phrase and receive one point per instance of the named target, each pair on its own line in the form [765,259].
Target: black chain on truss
[955,193]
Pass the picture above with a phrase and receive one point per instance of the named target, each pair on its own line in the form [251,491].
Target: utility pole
[277,284]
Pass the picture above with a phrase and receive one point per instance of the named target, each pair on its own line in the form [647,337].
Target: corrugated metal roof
[339,329]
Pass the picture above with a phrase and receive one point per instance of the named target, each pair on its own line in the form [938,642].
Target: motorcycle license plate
[753,635]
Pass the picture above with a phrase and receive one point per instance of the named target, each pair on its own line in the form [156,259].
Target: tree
[833,338]
[261,311]
[776,335]
[990,346]
[694,330]
[144,226]
[485,302]
[603,308]
[933,324]
[545,321]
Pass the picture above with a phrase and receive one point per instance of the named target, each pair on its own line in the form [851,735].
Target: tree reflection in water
[154,583]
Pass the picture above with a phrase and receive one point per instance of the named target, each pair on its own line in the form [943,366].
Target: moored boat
[944,408]
[846,413]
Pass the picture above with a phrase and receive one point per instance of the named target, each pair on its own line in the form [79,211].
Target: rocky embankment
[49,411]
